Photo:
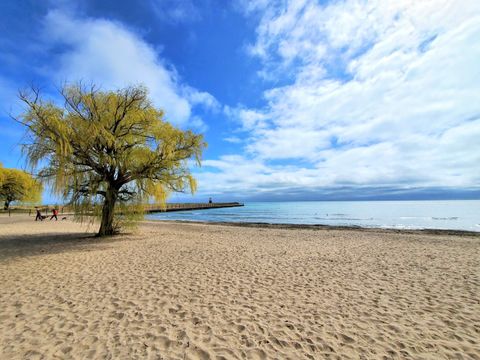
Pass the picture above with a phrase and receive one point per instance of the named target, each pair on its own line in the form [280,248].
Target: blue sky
[298,99]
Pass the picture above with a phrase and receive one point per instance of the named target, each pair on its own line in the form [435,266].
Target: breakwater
[189,206]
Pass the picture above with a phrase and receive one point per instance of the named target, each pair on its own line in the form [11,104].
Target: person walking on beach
[39,215]
[55,213]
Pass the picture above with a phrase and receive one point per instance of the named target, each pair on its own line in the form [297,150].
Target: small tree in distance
[2,175]
[102,148]
[18,185]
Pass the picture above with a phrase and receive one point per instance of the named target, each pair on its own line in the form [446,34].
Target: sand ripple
[190,291]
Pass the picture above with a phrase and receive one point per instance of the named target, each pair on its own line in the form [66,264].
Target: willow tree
[18,185]
[104,149]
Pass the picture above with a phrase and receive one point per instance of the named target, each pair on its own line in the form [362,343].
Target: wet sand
[199,291]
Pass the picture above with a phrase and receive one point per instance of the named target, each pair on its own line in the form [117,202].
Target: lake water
[456,214]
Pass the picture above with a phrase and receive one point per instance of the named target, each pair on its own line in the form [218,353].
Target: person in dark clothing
[55,213]
[210,200]
[39,215]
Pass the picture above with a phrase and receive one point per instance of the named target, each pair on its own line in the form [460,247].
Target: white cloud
[114,56]
[201,98]
[249,119]
[176,11]
[242,175]
[380,94]
[197,123]
[233,139]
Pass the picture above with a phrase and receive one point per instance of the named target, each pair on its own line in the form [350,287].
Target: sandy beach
[197,291]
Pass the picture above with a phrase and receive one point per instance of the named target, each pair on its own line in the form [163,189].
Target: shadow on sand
[43,244]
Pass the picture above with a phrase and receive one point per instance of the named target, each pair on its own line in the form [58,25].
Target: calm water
[459,215]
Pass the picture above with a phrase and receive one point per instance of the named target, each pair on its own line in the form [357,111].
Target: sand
[196,291]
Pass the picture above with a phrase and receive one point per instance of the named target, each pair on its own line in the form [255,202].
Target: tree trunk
[106,227]
[6,205]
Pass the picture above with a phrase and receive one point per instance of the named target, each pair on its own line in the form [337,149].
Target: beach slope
[198,291]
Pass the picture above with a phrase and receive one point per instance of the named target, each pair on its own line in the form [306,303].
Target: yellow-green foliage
[17,185]
[108,145]
[2,175]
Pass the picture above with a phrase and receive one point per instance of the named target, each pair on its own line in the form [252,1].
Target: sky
[297,99]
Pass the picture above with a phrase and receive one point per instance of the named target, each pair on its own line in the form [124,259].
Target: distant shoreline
[324,227]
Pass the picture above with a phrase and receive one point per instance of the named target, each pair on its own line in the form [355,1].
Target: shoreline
[450,232]
[6,219]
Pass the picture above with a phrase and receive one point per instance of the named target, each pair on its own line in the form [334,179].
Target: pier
[153,208]
[189,206]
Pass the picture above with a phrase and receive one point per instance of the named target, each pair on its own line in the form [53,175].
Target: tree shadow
[53,243]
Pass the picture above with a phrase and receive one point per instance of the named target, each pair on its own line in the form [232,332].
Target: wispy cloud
[176,11]
[233,139]
[378,94]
